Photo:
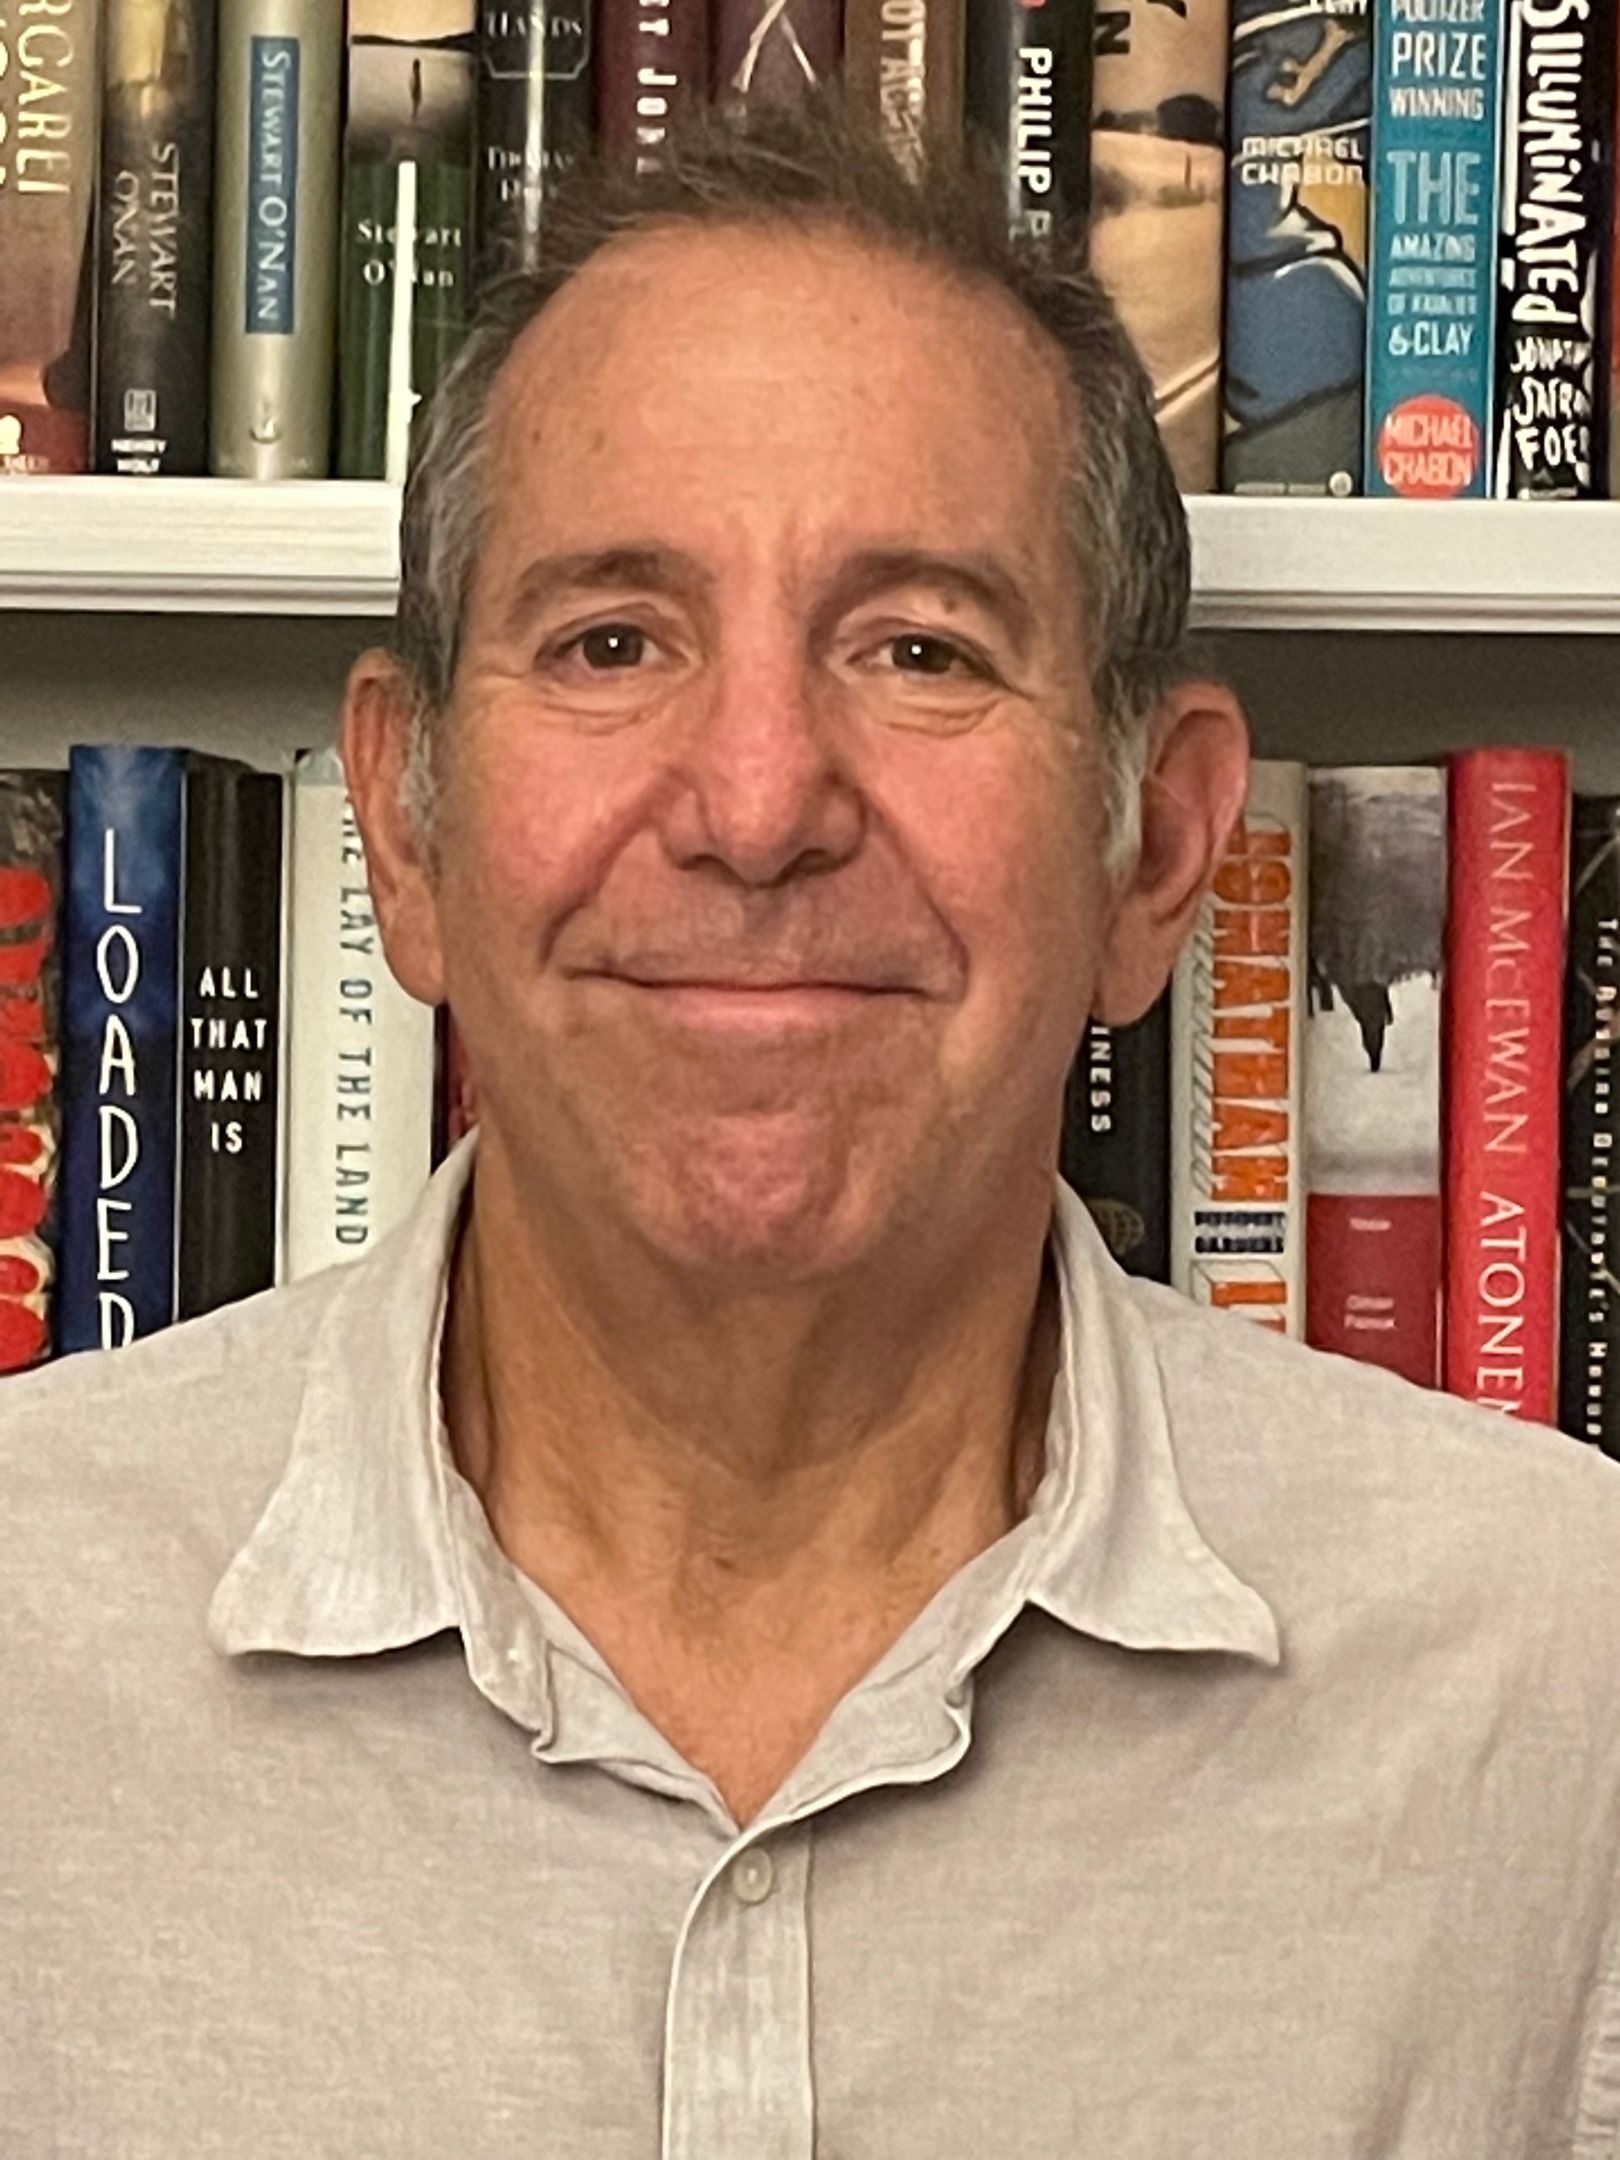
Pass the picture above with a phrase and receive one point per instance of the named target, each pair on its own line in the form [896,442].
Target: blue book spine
[1298,125]
[120,958]
[1437,105]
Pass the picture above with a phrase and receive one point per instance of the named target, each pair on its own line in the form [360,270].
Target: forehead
[766,384]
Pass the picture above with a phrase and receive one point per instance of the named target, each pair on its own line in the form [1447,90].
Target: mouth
[764,1005]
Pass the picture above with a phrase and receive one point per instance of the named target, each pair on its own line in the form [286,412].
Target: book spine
[1116,1137]
[773,51]
[49,83]
[1509,849]
[1237,1188]
[1028,94]
[653,62]
[407,216]
[1372,1043]
[120,954]
[903,67]
[1432,282]
[155,247]
[1557,117]
[1613,268]
[1589,1316]
[30,1023]
[275,238]
[230,1020]
[1300,123]
[1158,188]
[535,102]
[360,1077]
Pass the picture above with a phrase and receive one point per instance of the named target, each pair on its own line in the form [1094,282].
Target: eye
[609,646]
[921,656]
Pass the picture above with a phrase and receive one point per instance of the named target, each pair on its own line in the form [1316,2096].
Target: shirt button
[753,1877]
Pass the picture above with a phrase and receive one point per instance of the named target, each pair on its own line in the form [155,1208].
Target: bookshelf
[229,547]
[225,613]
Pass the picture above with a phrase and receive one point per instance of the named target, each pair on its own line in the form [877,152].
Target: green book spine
[407,211]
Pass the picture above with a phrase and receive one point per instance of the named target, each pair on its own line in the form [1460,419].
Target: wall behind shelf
[262,687]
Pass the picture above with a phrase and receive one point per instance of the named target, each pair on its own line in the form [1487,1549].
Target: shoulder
[134,1459]
[1327,1481]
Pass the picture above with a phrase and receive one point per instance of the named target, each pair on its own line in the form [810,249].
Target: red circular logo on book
[1429,446]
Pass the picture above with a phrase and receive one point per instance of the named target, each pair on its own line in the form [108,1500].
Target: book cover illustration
[1158,189]
[1432,254]
[407,221]
[156,239]
[1372,1065]
[49,100]
[1300,124]
[30,1019]
[775,50]
[1557,129]
[1028,94]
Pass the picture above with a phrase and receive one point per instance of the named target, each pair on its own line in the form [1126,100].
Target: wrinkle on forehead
[783,398]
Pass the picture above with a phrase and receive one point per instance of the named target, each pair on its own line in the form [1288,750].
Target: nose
[762,795]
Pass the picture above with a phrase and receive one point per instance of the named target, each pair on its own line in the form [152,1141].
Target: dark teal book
[120,954]
[1431,287]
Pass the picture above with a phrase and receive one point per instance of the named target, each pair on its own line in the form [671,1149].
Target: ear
[1192,796]
[377,709]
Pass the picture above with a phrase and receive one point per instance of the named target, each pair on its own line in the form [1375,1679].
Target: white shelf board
[204,547]
[329,548]
[1470,566]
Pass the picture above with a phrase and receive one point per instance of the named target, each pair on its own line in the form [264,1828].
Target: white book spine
[360,1051]
[1237,1014]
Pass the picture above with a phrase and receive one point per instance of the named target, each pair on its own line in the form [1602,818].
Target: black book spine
[1116,1137]
[535,103]
[230,1019]
[156,238]
[1589,1324]
[1551,352]
[1029,97]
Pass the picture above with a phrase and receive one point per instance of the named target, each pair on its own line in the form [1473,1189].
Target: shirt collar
[372,1540]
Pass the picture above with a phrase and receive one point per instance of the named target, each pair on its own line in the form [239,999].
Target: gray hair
[798,167]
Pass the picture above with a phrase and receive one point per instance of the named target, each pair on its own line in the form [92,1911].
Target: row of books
[1377,1106]
[1362,245]
[209,1080]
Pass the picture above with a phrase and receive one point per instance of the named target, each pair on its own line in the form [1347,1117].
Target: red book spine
[652,61]
[1509,853]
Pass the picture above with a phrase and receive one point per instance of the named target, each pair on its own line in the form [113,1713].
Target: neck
[732,1466]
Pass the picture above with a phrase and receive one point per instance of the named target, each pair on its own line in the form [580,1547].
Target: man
[737,1633]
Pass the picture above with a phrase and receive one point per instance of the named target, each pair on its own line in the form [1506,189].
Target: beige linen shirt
[1258,1795]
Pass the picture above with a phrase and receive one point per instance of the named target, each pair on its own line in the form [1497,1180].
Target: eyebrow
[975,575]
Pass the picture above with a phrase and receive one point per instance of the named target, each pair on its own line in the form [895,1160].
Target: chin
[766,1197]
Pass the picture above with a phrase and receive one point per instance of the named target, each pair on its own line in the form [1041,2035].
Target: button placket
[737,2072]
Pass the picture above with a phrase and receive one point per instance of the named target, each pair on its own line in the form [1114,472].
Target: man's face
[768,883]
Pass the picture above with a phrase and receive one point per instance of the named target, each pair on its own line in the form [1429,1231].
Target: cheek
[1005,848]
[529,819]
